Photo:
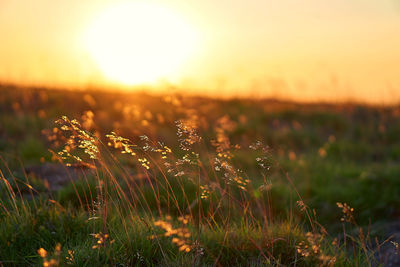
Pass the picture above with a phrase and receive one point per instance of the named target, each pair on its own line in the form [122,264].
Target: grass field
[93,178]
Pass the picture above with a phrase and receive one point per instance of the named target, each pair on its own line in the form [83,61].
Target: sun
[140,43]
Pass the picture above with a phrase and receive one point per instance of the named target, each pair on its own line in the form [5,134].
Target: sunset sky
[306,50]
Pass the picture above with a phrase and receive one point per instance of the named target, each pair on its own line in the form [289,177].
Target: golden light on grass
[140,43]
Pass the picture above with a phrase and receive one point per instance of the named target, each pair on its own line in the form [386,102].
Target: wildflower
[347,212]
[71,257]
[179,235]
[205,191]
[311,247]
[42,252]
[102,240]
[50,260]
[184,219]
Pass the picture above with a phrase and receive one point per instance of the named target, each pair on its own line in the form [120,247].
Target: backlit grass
[173,180]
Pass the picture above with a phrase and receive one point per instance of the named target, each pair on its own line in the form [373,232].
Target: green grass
[320,154]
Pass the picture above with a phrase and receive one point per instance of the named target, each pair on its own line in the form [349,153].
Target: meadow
[99,178]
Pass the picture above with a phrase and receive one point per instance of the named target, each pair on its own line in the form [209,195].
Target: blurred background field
[324,152]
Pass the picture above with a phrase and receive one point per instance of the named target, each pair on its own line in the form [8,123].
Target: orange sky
[313,49]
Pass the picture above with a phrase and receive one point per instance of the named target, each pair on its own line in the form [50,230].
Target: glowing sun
[138,43]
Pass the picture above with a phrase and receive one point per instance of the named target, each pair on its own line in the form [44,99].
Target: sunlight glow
[140,43]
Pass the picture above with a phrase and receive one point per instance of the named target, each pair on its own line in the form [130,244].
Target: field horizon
[170,89]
